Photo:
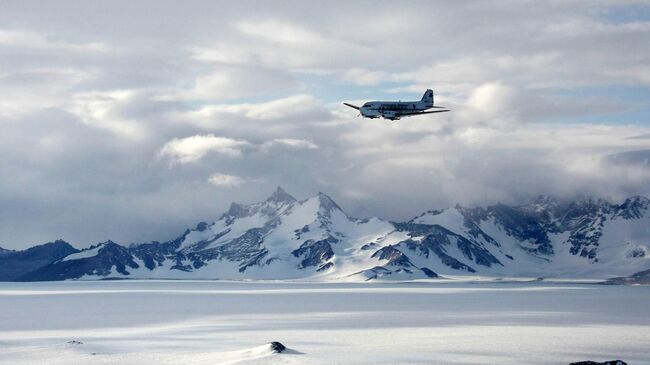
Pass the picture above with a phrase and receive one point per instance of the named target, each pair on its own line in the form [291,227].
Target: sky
[133,121]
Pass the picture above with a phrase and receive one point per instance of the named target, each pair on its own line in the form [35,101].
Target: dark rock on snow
[277,347]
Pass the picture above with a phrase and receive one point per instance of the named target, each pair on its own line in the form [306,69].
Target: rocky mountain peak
[237,210]
[327,204]
[281,196]
[637,200]
[633,207]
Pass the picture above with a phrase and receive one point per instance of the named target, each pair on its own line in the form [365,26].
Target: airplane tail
[427,98]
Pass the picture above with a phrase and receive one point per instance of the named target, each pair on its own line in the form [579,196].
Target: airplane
[394,110]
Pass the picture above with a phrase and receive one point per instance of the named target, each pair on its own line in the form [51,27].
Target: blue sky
[134,121]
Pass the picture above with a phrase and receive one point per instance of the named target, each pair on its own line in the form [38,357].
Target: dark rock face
[383,271]
[237,210]
[525,226]
[202,226]
[16,264]
[428,272]
[315,253]
[634,207]
[5,252]
[611,362]
[327,206]
[585,221]
[438,240]
[393,255]
[397,262]
[109,255]
[277,347]
[155,253]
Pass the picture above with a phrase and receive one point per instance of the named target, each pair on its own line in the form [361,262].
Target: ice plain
[428,322]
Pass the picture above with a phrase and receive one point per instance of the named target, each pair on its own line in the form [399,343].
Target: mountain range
[282,238]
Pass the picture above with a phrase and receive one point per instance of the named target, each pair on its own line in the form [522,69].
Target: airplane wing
[418,113]
[351,106]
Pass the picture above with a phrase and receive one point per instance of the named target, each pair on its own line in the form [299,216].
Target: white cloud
[99,122]
[279,44]
[591,27]
[291,143]
[272,115]
[225,180]
[225,83]
[102,110]
[361,76]
[28,39]
[194,148]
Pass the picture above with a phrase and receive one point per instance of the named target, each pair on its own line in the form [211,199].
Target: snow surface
[208,322]
[91,252]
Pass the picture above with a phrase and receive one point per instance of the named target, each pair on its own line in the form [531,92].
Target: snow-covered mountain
[314,239]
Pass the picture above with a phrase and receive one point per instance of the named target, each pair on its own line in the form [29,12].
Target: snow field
[207,322]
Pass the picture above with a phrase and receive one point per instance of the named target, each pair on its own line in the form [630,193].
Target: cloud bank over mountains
[132,121]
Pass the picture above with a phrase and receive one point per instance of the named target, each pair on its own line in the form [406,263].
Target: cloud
[361,76]
[640,136]
[291,143]
[35,40]
[258,121]
[237,82]
[273,43]
[275,109]
[194,148]
[92,115]
[637,157]
[103,110]
[225,180]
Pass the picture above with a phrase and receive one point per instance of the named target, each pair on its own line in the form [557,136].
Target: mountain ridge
[282,238]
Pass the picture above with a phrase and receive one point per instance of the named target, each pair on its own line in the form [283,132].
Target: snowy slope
[314,239]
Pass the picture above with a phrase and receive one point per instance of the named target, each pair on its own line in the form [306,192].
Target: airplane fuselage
[392,110]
